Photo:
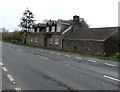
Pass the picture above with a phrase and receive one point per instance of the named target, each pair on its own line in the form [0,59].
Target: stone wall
[36,40]
[53,45]
[111,46]
[81,46]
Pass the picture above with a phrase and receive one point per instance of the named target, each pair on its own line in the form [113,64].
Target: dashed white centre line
[18,89]
[78,58]
[52,52]
[58,54]
[19,49]
[109,77]
[5,69]
[67,55]
[110,64]
[91,61]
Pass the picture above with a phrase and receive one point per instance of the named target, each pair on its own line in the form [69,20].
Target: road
[27,68]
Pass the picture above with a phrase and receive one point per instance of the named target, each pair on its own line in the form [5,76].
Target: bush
[117,56]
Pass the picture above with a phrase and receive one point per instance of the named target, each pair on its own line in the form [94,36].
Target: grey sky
[98,13]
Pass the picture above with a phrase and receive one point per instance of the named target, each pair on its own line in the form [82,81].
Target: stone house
[75,36]
[49,35]
[91,40]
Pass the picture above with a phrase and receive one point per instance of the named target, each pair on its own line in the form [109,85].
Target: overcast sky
[97,13]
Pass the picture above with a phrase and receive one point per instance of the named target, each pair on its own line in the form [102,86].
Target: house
[50,35]
[91,40]
[75,36]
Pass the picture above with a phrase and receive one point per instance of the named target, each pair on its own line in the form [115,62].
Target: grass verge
[113,58]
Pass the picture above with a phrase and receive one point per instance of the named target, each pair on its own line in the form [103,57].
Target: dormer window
[53,29]
[47,29]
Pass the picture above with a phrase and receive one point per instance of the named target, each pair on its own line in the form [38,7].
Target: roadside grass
[112,57]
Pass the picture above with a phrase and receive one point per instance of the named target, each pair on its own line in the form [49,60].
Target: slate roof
[40,25]
[68,22]
[93,34]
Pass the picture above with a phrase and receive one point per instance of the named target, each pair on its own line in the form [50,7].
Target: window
[51,40]
[36,40]
[31,40]
[37,30]
[53,29]
[47,29]
[56,41]
[58,29]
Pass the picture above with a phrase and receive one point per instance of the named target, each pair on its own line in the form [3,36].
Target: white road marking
[67,64]
[78,58]
[19,49]
[44,57]
[110,64]
[37,49]
[5,69]
[115,79]
[52,52]
[91,61]
[38,55]
[41,50]
[18,89]
[1,64]
[67,55]
[58,54]
[11,79]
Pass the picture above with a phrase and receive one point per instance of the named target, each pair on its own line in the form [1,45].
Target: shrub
[117,55]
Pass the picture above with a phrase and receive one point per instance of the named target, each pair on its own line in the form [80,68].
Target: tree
[4,32]
[27,21]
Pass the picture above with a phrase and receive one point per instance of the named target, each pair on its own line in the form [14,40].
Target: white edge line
[111,78]
[110,64]
[58,54]
[92,61]
[52,52]
[5,69]
[1,64]
[44,57]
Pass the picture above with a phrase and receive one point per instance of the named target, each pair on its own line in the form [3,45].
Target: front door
[45,42]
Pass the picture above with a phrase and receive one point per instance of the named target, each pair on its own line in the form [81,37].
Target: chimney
[76,18]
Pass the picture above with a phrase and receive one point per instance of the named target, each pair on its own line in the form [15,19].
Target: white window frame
[36,39]
[37,30]
[31,40]
[58,29]
[53,29]
[47,29]
[56,41]
[51,40]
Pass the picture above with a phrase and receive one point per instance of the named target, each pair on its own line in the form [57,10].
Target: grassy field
[112,57]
